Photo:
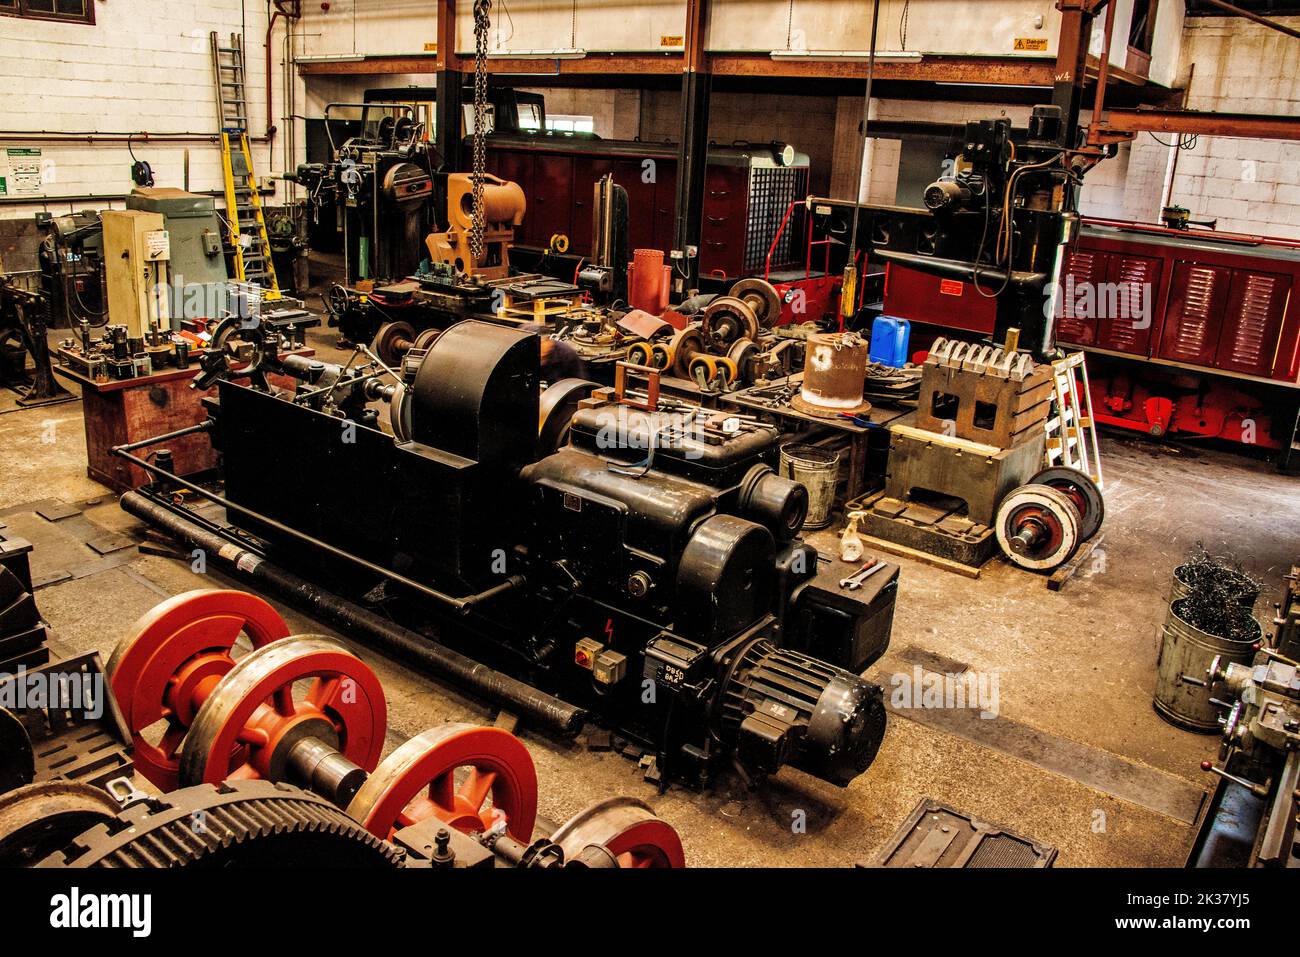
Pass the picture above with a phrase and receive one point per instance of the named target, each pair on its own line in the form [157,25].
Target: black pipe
[203,426]
[348,617]
[461,603]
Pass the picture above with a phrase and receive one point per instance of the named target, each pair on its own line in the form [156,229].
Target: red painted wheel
[628,829]
[305,685]
[419,780]
[172,659]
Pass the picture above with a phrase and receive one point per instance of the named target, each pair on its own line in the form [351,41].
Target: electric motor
[782,707]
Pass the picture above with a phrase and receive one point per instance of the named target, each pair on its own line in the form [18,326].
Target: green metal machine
[198,276]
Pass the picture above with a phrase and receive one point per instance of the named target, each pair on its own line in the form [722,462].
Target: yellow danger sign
[1031,44]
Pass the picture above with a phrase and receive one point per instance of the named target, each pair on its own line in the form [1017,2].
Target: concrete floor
[1075,758]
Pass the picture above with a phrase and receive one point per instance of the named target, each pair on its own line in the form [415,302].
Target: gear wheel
[236,824]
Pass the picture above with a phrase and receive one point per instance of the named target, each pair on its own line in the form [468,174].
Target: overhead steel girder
[1195,122]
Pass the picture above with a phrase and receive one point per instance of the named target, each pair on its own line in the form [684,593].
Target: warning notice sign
[20,172]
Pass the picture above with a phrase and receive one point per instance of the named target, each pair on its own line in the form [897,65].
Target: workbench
[122,411]
[772,399]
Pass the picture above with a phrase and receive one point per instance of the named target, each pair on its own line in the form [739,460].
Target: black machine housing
[656,574]
[378,186]
[1024,183]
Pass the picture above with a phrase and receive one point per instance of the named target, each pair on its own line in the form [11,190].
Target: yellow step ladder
[247,225]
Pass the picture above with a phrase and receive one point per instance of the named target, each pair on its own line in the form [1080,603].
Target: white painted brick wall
[1250,186]
[143,66]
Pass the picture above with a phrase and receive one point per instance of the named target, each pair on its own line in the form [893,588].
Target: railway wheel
[1082,491]
[684,346]
[628,829]
[728,319]
[761,297]
[298,688]
[469,777]
[426,338]
[745,355]
[1038,527]
[173,657]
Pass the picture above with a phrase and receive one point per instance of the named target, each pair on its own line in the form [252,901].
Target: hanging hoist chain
[481,25]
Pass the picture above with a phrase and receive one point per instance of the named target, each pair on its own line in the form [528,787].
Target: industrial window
[530,116]
[1142,28]
[572,124]
[74,11]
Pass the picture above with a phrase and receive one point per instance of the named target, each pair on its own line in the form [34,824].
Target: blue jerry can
[889,339]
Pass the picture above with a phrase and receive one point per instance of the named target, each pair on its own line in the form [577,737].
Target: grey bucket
[1180,588]
[1186,650]
[817,470]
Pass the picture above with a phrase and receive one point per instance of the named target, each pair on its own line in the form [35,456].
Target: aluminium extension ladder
[1071,430]
[247,225]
